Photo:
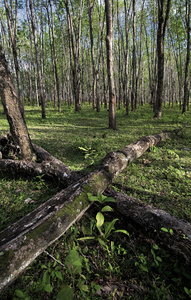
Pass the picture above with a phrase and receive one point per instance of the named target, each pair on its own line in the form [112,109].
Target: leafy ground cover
[121,266]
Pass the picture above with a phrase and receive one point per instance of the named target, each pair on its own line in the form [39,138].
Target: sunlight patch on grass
[64,134]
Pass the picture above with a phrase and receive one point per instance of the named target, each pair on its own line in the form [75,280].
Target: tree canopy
[57,51]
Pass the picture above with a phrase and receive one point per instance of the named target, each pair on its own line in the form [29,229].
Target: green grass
[20,196]
[162,177]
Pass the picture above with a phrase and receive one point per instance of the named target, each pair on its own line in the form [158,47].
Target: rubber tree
[110,71]
[186,80]
[12,30]
[162,25]
[37,53]
[74,37]
[12,108]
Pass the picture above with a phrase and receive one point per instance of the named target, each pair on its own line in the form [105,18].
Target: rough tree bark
[11,104]
[40,84]
[133,107]
[126,53]
[23,241]
[74,35]
[55,58]
[49,166]
[186,80]
[151,220]
[12,28]
[110,71]
[90,12]
[162,24]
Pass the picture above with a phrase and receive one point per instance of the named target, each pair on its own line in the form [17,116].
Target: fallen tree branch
[49,166]
[175,233]
[23,241]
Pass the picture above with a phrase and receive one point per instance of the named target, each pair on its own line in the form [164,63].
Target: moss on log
[23,241]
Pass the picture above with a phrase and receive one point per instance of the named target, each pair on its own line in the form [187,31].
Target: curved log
[49,166]
[23,241]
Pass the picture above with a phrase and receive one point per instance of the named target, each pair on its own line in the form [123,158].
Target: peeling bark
[23,241]
[49,166]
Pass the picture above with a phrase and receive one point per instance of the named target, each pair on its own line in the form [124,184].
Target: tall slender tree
[126,56]
[12,29]
[40,83]
[79,56]
[54,55]
[74,36]
[133,104]
[186,83]
[110,71]
[90,12]
[162,25]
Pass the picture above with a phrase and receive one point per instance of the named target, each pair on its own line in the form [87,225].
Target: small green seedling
[105,228]
[187,291]
[167,230]
[157,259]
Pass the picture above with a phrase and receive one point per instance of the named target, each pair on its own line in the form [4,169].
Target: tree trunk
[139,68]
[53,169]
[90,12]
[32,64]
[13,38]
[74,35]
[119,57]
[23,241]
[110,71]
[100,88]
[54,57]
[42,60]
[133,63]
[104,80]
[40,85]
[6,41]
[126,79]
[186,79]
[12,109]
[162,23]
[177,233]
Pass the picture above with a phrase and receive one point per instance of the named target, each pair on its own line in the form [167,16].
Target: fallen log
[23,241]
[49,166]
[175,233]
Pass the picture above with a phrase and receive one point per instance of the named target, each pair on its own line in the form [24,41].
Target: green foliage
[89,154]
[187,291]
[167,230]
[20,196]
[21,295]
[73,262]
[105,229]
[142,263]
[101,199]
[157,259]
[66,293]
[109,258]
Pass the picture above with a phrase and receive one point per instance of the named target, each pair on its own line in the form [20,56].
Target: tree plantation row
[57,51]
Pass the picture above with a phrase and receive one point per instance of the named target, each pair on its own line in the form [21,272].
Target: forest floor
[126,266]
